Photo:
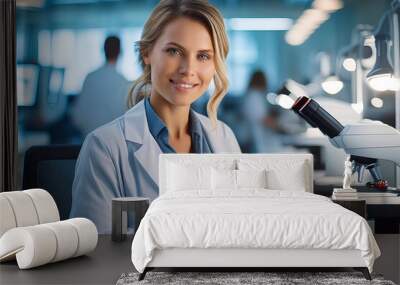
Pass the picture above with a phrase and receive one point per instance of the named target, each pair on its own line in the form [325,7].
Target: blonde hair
[165,12]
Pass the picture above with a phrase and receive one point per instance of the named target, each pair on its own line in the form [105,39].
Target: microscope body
[365,142]
[372,139]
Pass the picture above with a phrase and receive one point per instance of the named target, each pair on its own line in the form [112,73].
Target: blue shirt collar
[156,125]
[194,124]
[159,131]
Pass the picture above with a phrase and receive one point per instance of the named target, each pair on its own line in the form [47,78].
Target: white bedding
[252,218]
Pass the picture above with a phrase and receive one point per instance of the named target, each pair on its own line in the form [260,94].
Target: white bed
[247,210]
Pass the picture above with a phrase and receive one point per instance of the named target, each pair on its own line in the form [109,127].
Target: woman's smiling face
[182,62]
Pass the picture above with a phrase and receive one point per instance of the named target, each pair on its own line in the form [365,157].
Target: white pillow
[251,178]
[201,160]
[184,177]
[223,179]
[227,179]
[295,181]
[282,174]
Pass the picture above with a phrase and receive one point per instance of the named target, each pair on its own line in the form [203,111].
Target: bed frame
[248,259]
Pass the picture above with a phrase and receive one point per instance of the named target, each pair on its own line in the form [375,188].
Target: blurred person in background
[260,119]
[104,92]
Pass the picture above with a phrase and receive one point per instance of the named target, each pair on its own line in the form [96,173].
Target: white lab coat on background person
[102,99]
[255,110]
[120,159]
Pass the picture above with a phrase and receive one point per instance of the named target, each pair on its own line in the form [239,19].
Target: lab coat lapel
[148,154]
[137,131]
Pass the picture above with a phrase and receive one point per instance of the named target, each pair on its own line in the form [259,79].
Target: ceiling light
[349,64]
[295,38]
[381,76]
[305,25]
[284,101]
[260,24]
[332,85]
[30,3]
[394,84]
[383,82]
[328,5]
[314,17]
[377,102]
[353,52]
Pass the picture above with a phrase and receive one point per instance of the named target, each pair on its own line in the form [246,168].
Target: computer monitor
[51,102]
[55,85]
[27,84]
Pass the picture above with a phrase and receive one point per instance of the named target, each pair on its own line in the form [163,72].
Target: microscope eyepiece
[317,116]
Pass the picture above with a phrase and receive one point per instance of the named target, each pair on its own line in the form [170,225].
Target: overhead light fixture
[328,5]
[381,77]
[350,54]
[394,84]
[284,101]
[310,20]
[69,2]
[349,64]
[295,38]
[30,3]
[260,24]
[313,17]
[284,98]
[383,82]
[377,102]
[332,85]
[288,94]
[305,25]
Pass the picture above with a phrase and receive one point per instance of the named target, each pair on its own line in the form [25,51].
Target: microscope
[365,142]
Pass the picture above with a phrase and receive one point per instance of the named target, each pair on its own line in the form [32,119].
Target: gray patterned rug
[243,278]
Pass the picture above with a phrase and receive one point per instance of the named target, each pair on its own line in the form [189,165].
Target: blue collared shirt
[160,132]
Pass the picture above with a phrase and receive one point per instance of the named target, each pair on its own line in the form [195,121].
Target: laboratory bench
[386,217]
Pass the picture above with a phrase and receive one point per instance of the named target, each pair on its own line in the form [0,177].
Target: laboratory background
[320,49]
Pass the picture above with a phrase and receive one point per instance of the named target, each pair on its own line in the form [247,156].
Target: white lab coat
[120,159]
[255,110]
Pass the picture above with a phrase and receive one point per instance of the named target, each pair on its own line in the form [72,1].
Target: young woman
[182,48]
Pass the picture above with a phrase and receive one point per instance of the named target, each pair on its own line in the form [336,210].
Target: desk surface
[102,266]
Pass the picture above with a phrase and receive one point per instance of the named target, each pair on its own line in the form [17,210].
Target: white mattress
[252,218]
